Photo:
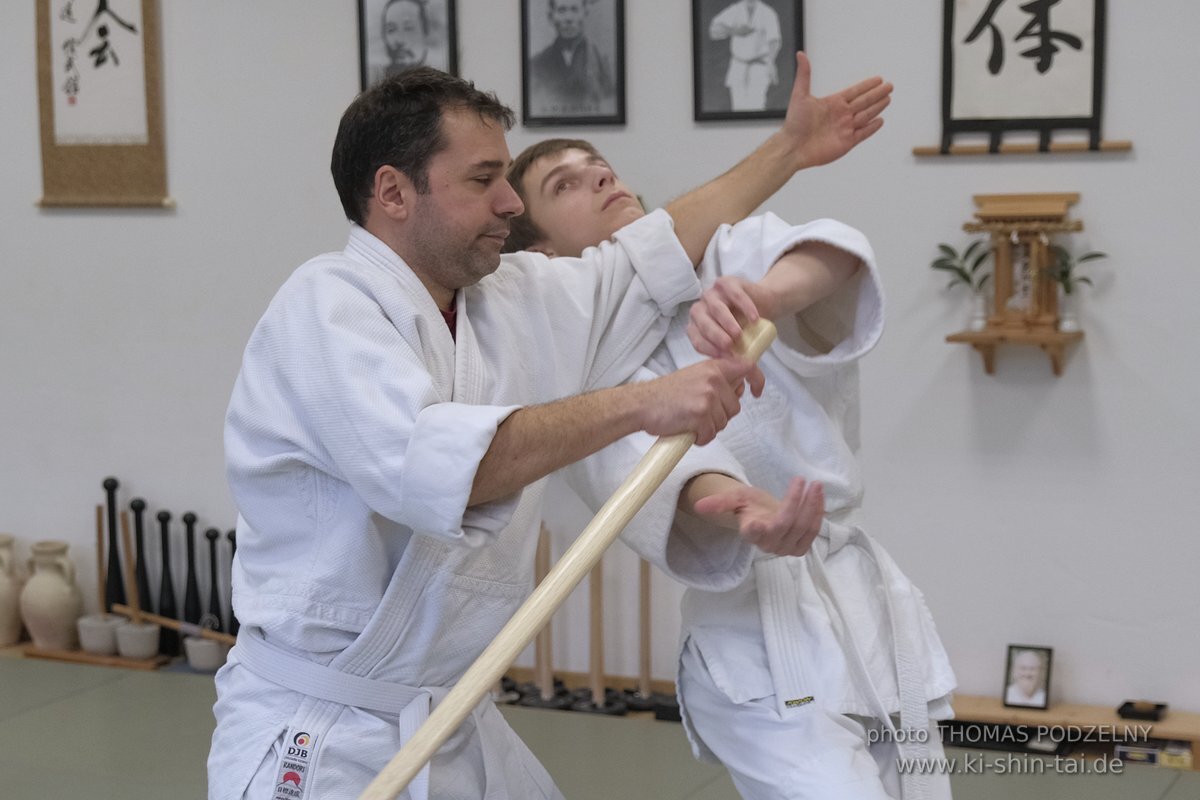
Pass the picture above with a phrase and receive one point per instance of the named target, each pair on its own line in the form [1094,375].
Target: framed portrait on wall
[1012,66]
[573,62]
[744,57]
[1027,676]
[397,34]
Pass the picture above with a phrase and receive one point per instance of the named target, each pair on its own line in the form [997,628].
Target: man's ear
[542,247]
[393,193]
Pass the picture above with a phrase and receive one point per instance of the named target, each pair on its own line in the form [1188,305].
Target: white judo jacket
[841,625]
[364,584]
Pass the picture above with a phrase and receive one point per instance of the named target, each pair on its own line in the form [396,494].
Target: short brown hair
[523,232]
[397,122]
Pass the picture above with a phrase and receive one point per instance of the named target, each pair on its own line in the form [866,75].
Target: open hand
[784,527]
[823,129]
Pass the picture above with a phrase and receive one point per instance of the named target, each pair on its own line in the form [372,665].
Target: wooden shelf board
[1026,148]
[80,657]
[1180,725]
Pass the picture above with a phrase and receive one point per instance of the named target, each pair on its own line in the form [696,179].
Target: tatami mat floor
[76,731]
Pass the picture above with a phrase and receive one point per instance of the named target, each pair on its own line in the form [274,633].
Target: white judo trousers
[782,676]
[364,584]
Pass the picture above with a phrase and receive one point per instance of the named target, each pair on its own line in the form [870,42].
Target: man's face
[404,33]
[1027,672]
[455,232]
[577,201]
[568,16]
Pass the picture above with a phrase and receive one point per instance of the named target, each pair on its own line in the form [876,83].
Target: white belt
[780,602]
[412,704]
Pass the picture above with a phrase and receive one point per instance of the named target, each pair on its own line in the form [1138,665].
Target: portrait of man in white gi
[742,56]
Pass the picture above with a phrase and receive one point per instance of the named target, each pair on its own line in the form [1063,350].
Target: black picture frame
[553,93]
[1033,672]
[439,36]
[712,58]
[994,82]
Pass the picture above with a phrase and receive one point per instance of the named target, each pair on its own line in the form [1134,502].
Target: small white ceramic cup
[137,640]
[204,655]
[98,633]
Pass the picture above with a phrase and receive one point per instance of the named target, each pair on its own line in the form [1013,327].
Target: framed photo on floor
[394,35]
[744,57]
[573,62]
[1027,676]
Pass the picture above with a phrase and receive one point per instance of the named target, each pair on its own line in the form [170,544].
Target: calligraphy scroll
[1023,65]
[99,91]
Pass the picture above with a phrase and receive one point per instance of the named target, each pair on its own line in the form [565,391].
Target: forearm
[536,440]
[734,195]
[532,442]
[807,274]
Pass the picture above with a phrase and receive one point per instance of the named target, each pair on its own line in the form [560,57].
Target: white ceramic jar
[50,601]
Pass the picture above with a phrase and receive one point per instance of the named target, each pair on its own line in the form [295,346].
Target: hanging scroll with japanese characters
[1023,76]
[100,101]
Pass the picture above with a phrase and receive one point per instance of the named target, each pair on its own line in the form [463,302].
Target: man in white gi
[397,407]
[752,28]
[813,675]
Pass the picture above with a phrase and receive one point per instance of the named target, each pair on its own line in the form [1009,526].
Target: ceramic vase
[979,312]
[10,592]
[51,602]
[1068,314]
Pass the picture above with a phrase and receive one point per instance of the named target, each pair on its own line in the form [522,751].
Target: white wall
[1033,509]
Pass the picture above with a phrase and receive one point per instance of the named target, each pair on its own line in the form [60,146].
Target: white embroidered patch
[299,752]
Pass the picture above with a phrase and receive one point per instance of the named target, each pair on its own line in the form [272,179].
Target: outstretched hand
[784,527]
[823,129]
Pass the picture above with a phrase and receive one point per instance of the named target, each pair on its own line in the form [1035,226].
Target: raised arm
[815,131]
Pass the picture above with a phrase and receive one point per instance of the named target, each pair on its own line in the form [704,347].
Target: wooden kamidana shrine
[1025,304]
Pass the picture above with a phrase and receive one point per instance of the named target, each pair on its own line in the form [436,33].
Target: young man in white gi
[813,675]
[397,407]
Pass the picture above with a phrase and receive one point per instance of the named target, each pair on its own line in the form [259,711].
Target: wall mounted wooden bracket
[1054,343]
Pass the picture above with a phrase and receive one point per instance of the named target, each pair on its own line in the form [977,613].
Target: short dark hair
[523,232]
[397,122]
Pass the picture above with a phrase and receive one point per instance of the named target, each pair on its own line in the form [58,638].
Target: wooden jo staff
[536,611]
[186,628]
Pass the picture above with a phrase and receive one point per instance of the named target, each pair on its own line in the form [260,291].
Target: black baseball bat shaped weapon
[139,567]
[168,638]
[214,602]
[114,586]
[191,591]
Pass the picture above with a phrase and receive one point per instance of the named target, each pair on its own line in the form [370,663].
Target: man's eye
[559,187]
[484,180]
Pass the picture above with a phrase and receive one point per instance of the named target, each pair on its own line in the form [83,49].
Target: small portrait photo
[394,35]
[1027,676]
[573,62]
[744,57]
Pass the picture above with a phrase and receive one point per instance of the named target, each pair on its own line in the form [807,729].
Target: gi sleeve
[835,331]
[605,311]
[331,382]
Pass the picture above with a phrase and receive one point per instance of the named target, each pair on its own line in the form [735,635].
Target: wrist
[786,150]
